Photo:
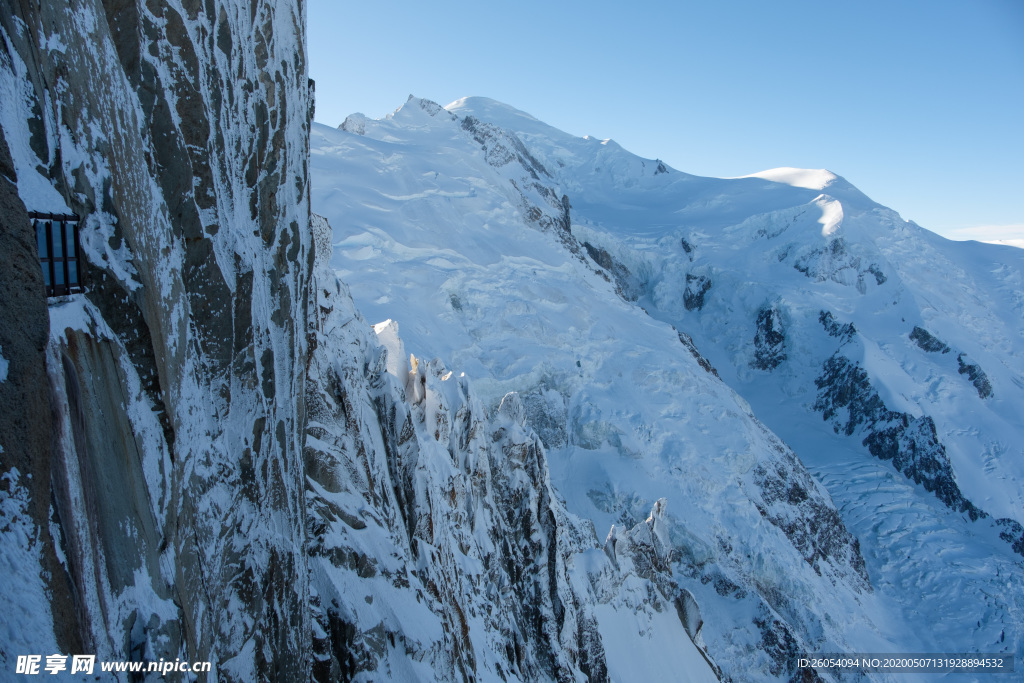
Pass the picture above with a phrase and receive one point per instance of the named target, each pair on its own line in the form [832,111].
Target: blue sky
[920,104]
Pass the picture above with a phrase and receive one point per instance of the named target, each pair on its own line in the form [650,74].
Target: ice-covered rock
[535,317]
[769,339]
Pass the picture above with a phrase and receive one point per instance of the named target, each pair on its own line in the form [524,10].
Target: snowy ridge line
[626,410]
[210,455]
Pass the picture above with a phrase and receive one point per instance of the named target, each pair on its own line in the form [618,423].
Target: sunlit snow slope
[663,328]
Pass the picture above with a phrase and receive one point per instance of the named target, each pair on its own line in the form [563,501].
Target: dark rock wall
[927,341]
[974,373]
[844,332]
[769,340]
[696,287]
[847,399]
[179,132]
[25,412]
[626,284]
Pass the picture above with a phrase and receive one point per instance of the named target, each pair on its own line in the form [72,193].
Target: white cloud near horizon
[1012,234]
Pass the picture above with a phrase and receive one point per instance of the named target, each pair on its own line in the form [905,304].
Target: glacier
[454,395]
[647,332]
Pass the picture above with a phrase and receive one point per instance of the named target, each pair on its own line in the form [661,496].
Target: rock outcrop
[697,286]
[928,342]
[769,340]
[974,373]
[210,456]
[435,535]
[847,399]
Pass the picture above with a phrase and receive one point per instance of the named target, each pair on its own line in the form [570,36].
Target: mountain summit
[818,389]
[506,405]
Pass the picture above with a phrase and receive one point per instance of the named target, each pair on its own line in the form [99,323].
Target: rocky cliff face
[438,549]
[172,487]
[769,340]
[210,455]
[773,282]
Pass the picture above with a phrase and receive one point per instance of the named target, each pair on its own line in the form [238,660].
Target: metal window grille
[57,242]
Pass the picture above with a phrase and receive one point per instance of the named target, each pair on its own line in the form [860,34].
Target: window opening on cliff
[58,246]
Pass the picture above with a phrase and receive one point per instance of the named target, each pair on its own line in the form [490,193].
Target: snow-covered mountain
[567,414]
[674,337]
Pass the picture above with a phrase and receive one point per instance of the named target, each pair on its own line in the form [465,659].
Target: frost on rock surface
[438,548]
[229,472]
[178,132]
[769,340]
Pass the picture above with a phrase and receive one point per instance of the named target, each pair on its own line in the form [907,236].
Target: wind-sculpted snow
[628,413]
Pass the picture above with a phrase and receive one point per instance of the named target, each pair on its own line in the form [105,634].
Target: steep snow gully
[610,422]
